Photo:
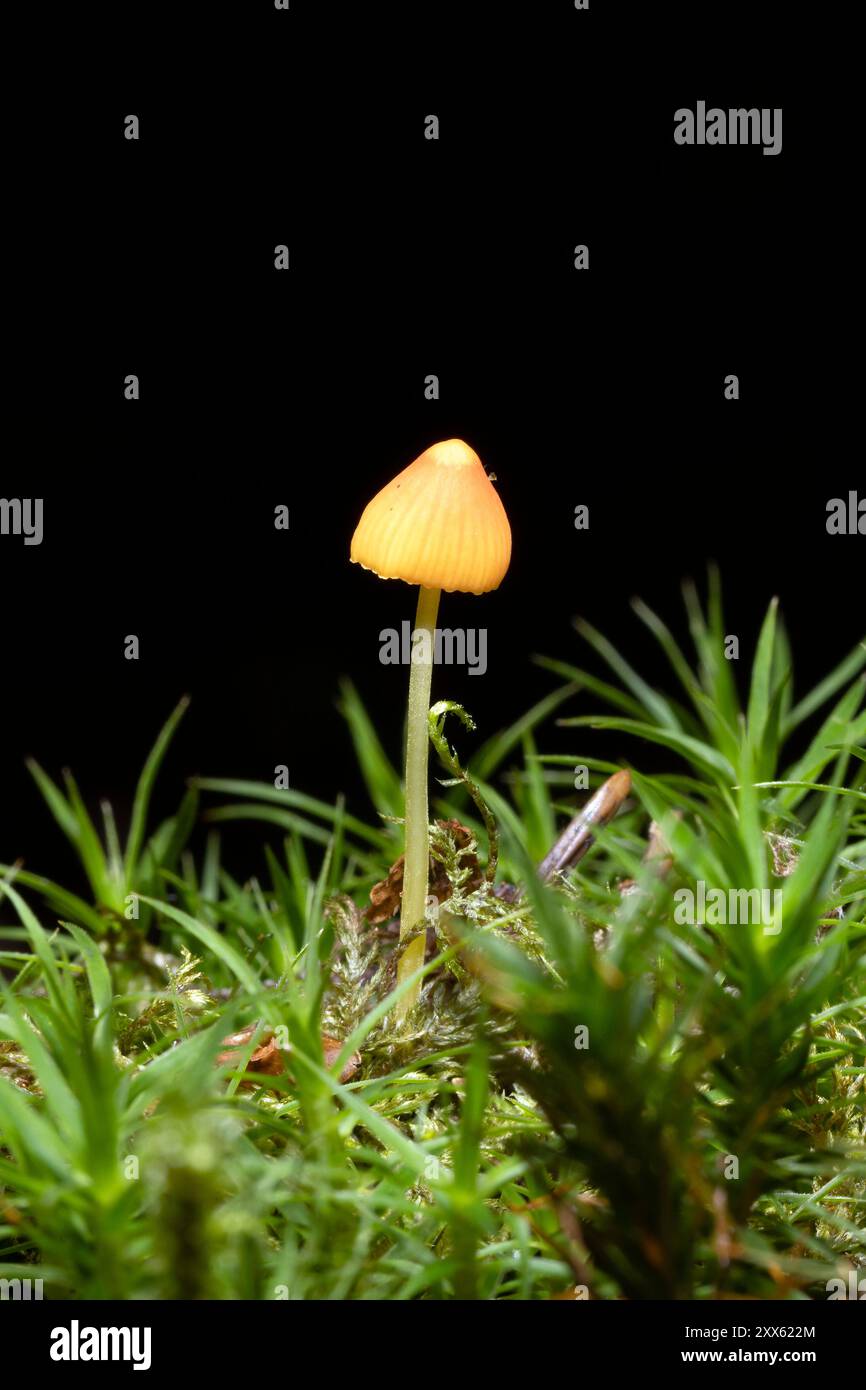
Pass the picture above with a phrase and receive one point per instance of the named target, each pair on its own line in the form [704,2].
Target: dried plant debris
[453,863]
[272,1058]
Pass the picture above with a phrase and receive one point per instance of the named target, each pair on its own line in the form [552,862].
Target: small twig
[579,834]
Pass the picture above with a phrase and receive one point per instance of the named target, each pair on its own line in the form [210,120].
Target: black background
[306,387]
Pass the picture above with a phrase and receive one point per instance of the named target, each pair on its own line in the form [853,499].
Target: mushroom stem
[417,856]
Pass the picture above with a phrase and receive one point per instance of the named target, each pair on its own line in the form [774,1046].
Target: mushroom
[439,524]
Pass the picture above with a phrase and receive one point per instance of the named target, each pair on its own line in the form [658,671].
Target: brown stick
[579,834]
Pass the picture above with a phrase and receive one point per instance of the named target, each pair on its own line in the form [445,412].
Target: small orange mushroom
[439,524]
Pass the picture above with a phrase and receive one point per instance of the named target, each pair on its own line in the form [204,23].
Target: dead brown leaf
[269,1059]
[385,896]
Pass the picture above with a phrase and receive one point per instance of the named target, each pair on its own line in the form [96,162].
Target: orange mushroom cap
[439,524]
